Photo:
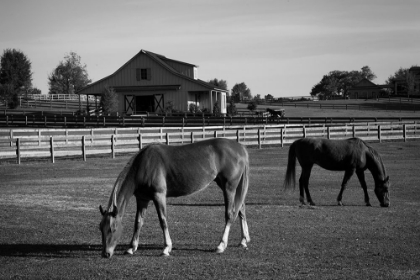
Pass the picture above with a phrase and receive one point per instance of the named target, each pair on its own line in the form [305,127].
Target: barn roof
[161,60]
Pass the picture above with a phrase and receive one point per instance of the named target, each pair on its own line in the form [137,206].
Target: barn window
[143,74]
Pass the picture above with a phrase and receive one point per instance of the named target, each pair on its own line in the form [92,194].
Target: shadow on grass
[77,251]
[47,250]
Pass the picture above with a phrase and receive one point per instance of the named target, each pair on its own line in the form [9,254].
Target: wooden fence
[48,120]
[52,143]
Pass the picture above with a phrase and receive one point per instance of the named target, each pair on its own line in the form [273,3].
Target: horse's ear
[101,210]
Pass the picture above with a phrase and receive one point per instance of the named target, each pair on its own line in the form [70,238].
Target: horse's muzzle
[106,255]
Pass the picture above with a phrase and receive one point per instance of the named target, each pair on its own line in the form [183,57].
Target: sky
[276,47]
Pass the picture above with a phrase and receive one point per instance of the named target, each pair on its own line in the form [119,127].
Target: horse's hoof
[220,250]
[129,252]
[368,204]
[311,203]
[340,203]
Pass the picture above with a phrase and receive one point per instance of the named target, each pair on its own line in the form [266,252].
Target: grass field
[49,225]
[316,112]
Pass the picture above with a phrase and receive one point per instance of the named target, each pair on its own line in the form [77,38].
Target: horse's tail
[291,168]
[242,189]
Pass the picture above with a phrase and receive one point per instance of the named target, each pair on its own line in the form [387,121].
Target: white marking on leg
[224,242]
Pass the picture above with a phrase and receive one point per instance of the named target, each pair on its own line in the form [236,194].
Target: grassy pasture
[49,225]
[316,112]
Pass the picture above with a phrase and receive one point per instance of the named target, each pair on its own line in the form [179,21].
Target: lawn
[49,225]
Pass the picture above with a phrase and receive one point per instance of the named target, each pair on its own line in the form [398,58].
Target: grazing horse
[159,171]
[351,155]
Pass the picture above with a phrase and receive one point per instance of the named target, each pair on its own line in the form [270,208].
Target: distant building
[400,85]
[365,89]
[148,82]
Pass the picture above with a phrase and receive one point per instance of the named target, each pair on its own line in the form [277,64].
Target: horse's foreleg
[361,175]
[160,204]
[138,223]
[347,175]
[229,198]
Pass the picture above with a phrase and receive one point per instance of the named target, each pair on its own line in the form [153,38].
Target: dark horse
[351,155]
[160,171]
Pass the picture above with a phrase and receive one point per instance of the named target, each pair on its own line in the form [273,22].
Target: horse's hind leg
[244,227]
[138,223]
[361,175]
[160,204]
[304,185]
[347,175]
[228,194]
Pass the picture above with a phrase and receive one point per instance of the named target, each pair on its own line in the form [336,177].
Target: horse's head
[111,229]
[382,191]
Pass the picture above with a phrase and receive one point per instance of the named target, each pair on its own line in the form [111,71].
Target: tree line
[338,83]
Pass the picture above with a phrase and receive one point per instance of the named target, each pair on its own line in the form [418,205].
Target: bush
[109,101]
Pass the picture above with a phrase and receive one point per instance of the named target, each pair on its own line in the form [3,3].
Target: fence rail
[52,143]
[73,121]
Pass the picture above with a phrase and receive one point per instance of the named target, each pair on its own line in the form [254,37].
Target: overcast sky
[276,47]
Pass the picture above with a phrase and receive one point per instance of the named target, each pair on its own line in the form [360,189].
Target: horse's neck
[376,167]
[121,195]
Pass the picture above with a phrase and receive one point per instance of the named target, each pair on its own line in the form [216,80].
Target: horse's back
[189,168]
[331,154]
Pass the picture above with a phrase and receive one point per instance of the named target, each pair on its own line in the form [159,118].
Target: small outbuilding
[365,89]
[151,82]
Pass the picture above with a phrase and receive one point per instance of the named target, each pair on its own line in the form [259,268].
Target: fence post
[167,138]
[282,137]
[354,131]
[11,137]
[45,121]
[328,133]
[405,132]
[113,145]
[52,149]
[192,137]
[18,150]
[84,147]
[140,142]
[304,131]
[259,139]
[26,120]
[237,136]
[215,134]
[379,134]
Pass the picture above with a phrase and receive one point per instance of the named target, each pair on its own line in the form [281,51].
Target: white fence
[52,143]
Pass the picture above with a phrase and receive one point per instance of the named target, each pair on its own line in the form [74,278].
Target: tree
[231,109]
[109,101]
[241,92]
[221,84]
[69,76]
[339,82]
[252,105]
[404,79]
[15,75]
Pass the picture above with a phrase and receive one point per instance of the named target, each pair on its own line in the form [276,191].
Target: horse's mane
[120,180]
[375,155]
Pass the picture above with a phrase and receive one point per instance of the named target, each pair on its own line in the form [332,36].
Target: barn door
[129,104]
[159,104]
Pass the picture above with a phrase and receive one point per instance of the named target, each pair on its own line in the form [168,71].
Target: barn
[150,82]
